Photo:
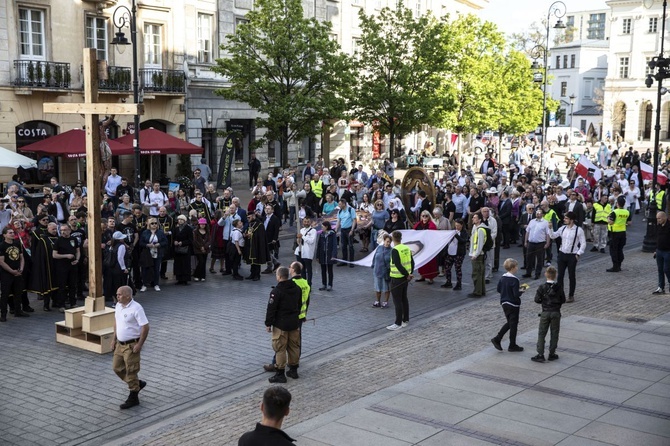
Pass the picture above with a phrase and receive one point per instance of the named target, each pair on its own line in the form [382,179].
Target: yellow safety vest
[304,287]
[659,200]
[620,220]
[602,212]
[317,187]
[548,216]
[405,260]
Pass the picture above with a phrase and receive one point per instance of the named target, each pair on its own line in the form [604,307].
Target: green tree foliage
[518,101]
[400,62]
[285,66]
[474,80]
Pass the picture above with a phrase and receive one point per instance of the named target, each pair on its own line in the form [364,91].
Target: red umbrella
[70,144]
[155,142]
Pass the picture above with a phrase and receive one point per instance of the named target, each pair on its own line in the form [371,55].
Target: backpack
[110,257]
[488,243]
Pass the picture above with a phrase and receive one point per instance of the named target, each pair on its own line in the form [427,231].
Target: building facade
[630,106]
[42,62]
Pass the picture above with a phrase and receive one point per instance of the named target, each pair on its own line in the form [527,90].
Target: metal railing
[42,74]
[118,79]
[159,80]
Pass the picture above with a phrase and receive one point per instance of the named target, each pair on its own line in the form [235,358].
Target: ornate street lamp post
[123,16]
[662,67]
[557,9]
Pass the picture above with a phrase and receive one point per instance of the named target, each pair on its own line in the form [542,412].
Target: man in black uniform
[79,233]
[275,406]
[140,221]
[66,258]
[11,277]
[282,320]
[127,227]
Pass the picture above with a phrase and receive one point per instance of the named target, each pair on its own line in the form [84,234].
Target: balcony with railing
[162,81]
[118,79]
[42,74]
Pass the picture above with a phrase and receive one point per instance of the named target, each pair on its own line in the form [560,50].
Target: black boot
[278,377]
[293,372]
[132,401]
[447,284]
[458,286]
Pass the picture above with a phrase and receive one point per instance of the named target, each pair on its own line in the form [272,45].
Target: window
[596,29]
[653,24]
[271,151]
[153,54]
[31,33]
[572,61]
[357,2]
[565,61]
[239,21]
[96,36]
[355,43]
[205,38]
[647,70]
[417,10]
[626,24]
[588,89]
[623,67]
[558,62]
[564,89]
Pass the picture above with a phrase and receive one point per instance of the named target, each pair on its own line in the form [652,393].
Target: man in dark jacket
[505,214]
[282,320]
[275,406]
[272,224]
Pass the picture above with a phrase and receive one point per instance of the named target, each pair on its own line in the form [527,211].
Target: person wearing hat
[116,265]
[573,244]
[201,245]
[617,222]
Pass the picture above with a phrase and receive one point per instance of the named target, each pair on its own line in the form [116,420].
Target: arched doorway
[619,119]
[648,112]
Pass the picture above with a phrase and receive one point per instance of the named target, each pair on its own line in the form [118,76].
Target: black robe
[182,262]
[167,225]
[256,246]
[42,277]
[202,209]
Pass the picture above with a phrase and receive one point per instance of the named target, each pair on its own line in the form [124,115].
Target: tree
[285,66]
[401,67]
[518,100]
[474,78]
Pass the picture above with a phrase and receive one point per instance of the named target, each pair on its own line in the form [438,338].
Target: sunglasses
[21,201]
[153,224]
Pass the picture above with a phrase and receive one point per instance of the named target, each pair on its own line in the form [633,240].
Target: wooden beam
[90,108]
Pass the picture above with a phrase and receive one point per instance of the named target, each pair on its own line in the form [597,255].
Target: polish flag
[586,167]
[647,172]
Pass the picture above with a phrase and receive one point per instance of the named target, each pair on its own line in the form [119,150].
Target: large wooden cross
[91,110]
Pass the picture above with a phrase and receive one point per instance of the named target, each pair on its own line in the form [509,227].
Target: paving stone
[453,439]
[617,368]
[636,421]
[513,430]
[456,397]
[537,416]
[560,404]
[480,386]
[604,378]
[422,407]
[342,435]
[389,426]
[659,389]
[586,389]
[620,436]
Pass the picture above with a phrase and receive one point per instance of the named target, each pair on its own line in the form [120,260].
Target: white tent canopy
[9,158]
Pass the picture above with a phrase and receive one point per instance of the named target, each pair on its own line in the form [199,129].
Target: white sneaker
[404,324]
[659,290]
[157,288]
[202,280]
[548,264]
[394,327]
[143,289]
[195,279]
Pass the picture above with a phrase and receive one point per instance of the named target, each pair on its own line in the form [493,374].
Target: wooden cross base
[90,327]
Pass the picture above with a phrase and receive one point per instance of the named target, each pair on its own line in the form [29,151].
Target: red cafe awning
[155,142]
[70,144]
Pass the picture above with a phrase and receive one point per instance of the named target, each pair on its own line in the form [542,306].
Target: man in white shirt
[157,198]
[537,240]
[632,194]
[573,244]
[113,181]
[131,329]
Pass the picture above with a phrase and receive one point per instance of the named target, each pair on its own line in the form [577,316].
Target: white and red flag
[647,172]
[586,167]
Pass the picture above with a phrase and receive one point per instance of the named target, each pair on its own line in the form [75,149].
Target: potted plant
[31,73]
[67,77]
[58,76]
[157,80]
[47,75]
[40,74]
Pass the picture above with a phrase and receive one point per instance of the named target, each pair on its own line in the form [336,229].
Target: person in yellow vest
[402,268]
[601,210]
[618,220]
[317,186]
[659,197]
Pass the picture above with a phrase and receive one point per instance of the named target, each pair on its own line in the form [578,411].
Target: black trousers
[66,278]
[253,178]
[255,271]
[327,274]
[512,316]
[10,284]
[534,258]
[400,301]
[617,242]
[568,261]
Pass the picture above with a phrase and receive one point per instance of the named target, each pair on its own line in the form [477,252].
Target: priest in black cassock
[256,246]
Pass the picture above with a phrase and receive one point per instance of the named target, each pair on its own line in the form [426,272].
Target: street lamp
[123,16]
[662,65]
[557,9]
[572,105]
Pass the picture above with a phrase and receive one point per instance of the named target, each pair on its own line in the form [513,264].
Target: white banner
[425,245]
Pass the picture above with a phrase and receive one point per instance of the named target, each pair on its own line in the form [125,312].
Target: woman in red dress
[429,270]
